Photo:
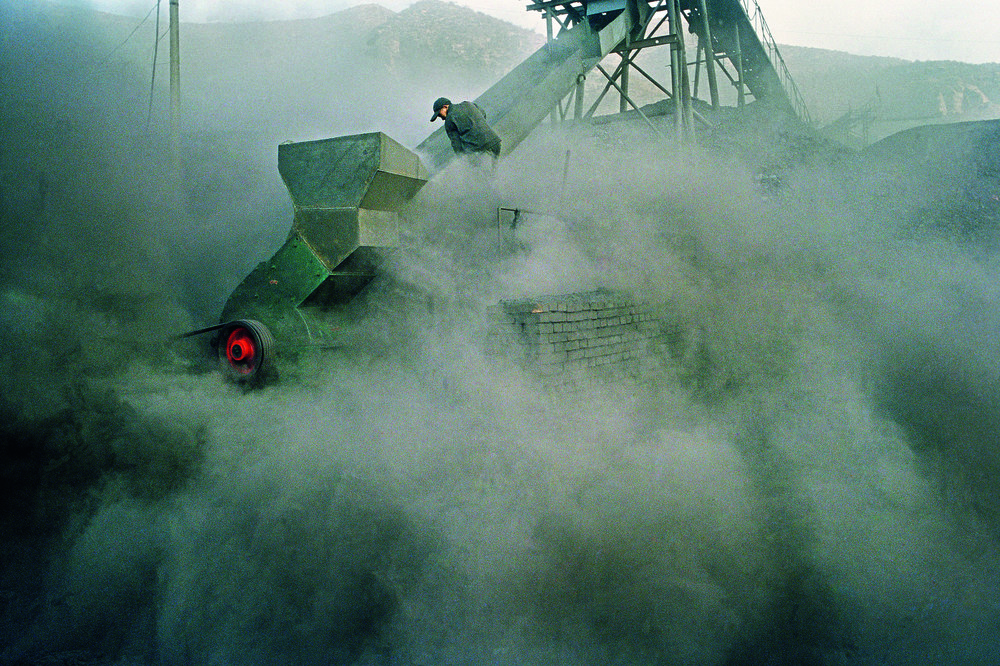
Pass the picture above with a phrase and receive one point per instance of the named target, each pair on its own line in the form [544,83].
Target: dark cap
[438,104]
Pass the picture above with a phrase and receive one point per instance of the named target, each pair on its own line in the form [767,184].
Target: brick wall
[581,336]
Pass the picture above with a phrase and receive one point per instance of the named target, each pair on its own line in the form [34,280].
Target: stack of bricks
[583,336]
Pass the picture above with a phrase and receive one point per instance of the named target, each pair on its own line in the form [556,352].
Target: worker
[467,128]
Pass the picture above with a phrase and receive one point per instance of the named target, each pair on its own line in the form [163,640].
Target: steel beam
[662,40]
[706,31]
[738,55]
[630,102]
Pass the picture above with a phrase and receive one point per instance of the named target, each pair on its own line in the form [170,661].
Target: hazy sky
[914,29]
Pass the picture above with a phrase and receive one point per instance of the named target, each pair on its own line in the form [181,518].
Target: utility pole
[175,87]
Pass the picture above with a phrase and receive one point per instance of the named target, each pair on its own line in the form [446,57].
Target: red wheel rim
[241,351]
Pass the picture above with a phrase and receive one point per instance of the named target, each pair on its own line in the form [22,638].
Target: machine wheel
[246,352]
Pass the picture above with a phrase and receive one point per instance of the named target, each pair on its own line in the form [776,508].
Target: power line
[152,78]
[125,41]
[158,40]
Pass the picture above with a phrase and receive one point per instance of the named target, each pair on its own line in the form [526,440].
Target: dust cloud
[807,477]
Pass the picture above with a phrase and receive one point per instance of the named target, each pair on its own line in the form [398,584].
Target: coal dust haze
[804,472]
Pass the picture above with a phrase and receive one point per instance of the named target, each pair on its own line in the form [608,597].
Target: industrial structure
[734,44]
[347,191]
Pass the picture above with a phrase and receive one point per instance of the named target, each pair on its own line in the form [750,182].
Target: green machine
[346,193]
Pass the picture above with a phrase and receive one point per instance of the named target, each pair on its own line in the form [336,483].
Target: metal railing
[767,41]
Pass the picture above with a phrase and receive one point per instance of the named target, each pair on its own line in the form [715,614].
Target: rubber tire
[263,367]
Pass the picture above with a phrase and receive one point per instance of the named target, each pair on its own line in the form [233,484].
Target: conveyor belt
[734,34]
[517,103]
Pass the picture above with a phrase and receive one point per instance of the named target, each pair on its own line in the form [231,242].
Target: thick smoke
[806,477]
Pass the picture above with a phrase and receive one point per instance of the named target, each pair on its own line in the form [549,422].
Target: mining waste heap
[348,191]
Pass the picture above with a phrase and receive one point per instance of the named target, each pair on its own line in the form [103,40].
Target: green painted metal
[346,194]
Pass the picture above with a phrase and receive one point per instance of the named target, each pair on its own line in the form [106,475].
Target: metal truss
[733,42]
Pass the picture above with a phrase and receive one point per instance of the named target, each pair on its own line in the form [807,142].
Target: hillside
[446,36]
[362,69]
[370,68]
[894,94]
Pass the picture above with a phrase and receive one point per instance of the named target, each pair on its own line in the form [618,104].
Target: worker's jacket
[468,131]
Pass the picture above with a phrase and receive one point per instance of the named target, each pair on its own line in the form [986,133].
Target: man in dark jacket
[466,126]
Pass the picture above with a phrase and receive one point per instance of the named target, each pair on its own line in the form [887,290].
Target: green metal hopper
[346,193]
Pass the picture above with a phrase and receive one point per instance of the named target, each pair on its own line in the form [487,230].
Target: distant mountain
[368,68]
[890,93]
[445,35]
[361,69]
